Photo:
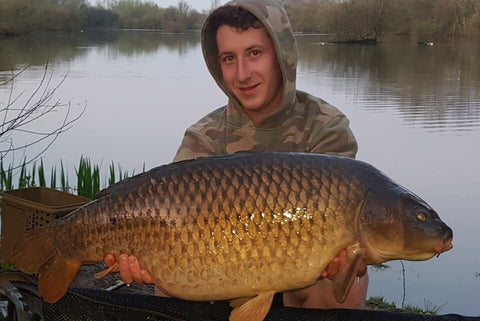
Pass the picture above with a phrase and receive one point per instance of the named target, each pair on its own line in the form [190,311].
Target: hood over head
[272,15]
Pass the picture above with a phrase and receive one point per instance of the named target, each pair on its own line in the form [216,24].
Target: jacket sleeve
[334,138]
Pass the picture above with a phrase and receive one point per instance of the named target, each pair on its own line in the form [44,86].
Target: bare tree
[359,20]
[183,7]
[214,4]
[23,117]
[109,4]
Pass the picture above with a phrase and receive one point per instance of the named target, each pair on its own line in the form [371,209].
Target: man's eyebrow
[256,46]
[224,53]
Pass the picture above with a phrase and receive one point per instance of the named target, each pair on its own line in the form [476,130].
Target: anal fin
[343,280]
[238,302]
[255,309]
[55,278]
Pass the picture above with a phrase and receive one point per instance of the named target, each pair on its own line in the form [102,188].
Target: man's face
[250,70]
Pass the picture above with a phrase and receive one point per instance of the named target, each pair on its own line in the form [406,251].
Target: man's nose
[243,70]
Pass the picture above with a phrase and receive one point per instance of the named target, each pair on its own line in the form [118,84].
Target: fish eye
[421,217]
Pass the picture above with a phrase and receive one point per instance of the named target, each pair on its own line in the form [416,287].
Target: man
[250,51]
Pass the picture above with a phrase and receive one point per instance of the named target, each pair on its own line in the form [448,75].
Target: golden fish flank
[237,226]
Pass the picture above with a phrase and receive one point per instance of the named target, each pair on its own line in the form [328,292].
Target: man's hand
[130,269]
[339,262]
[320,295]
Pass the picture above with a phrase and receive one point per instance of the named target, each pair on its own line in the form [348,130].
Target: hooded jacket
[303,123]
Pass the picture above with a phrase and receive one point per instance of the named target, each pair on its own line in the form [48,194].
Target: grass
[379,303]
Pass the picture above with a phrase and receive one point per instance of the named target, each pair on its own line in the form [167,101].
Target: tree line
[347,20]
[23,16]
[372,19]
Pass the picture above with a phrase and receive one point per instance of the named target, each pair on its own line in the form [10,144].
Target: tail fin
[37,253]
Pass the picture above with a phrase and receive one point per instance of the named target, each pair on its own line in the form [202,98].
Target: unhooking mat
[23,303]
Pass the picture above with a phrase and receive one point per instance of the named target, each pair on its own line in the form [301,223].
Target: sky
[198,5]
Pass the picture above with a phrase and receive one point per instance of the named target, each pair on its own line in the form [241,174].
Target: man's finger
[343,259]
[124,268]
[135,269]
[109,260]
[333,266]
[145,276]
[362,270]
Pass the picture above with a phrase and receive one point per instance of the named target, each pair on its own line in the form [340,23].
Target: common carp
[241,226]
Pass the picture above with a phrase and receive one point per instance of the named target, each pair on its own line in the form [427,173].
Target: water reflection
[38,48]
[435,88]
[129,43]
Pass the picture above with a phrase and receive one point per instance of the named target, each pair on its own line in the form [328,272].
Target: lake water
[414,109]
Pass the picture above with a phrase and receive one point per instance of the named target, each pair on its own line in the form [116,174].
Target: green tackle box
[26,209]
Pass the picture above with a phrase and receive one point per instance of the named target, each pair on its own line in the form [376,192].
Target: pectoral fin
[255,309]
[344,278]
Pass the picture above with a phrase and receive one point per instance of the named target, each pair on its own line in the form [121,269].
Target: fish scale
[247,227]
[241,225]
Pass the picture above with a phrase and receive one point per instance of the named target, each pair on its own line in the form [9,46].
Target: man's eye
[255,52]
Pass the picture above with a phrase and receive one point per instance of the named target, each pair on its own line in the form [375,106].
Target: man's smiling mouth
[248,89]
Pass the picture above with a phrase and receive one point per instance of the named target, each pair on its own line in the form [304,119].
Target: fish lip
[445,246]
[446,243]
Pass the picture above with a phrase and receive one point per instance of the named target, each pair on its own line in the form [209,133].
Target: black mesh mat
[23,303]
[93,305]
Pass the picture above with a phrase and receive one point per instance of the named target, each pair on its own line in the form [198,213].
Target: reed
[53,178]
[88,177]
[6,177]
[111,179]
[63,178]
[41,174]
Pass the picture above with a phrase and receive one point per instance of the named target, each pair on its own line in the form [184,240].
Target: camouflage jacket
[303,123]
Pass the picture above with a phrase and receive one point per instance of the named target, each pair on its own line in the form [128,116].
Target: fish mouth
[446,243]
[417,253]
[444,246]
